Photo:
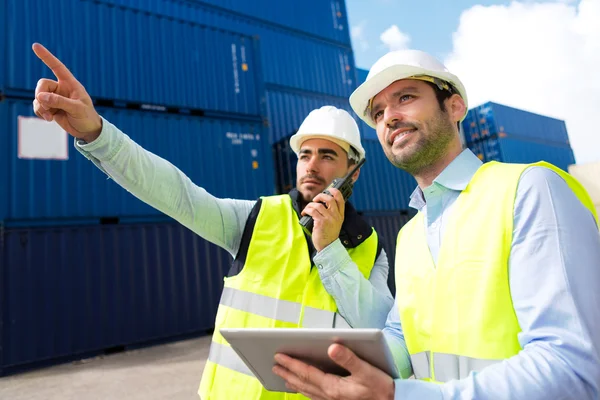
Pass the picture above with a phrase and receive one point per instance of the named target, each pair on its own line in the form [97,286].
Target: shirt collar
[456,176]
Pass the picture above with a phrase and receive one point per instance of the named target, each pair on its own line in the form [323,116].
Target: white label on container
[236,78]
[42,140]
[239,138]
[334,15]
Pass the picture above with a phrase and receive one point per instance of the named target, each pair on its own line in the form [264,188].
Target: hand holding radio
[323,217]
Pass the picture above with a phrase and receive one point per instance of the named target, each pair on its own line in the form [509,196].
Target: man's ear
[456,107]
[355,176]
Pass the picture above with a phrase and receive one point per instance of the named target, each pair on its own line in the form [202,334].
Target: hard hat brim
[359,99]
[297,140]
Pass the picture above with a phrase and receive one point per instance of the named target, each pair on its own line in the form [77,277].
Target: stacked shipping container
[495,132]
[78,290]
[229,158]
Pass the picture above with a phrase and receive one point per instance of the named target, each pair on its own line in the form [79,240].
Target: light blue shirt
[364,303]
[554,274]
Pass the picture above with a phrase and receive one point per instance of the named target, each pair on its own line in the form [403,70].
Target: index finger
[337,195]
[57,67]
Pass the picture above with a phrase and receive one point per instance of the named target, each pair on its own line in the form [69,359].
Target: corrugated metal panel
[470,127]
[318,18]
[589,176]
[299,63]
[492,150]
[3,42]
[288,58]
[387,226]
[367,132]
[74,290]
[494,119]
[322,18]
[362,75]
[477,148]
[524,151]
[285,166]
[381,186]
[137,57]
[227,158]
[287,109]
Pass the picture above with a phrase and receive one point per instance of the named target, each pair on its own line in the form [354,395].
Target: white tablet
[257,348]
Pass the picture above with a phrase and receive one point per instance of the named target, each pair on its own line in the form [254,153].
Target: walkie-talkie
[344,185]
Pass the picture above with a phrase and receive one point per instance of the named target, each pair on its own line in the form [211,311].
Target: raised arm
[148,177]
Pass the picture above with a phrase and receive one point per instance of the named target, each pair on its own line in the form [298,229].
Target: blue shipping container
[317,18]
[477,148]
[77,291]
[361,75]
[471,127]
[288,58]
[287,109]
[322,18]
[513,150]
[381,186]
[366,131]
[388,225]
[495,119]
[227,158]
[119,53]
[285,166]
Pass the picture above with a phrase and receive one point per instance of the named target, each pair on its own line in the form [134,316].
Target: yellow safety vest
[277,288]
[457,316]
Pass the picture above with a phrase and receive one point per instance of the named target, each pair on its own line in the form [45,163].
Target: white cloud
[395,39]
[357,33]
[541,57]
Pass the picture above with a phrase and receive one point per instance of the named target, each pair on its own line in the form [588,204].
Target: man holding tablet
[496,276]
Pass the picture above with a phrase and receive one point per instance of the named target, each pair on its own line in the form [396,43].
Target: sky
[541,56]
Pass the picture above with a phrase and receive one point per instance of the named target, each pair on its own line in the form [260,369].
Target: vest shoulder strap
[240,258]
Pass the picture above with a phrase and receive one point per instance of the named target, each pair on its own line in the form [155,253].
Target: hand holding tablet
[257,348]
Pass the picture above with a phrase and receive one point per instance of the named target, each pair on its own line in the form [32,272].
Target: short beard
[304,199]
[429,149]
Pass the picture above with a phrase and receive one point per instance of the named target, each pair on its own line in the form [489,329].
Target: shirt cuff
[408,389]
[106,145]
[331,259]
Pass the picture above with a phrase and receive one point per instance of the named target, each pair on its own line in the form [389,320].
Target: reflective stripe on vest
[420,365]
[447,367]
[227,357]
[281,310]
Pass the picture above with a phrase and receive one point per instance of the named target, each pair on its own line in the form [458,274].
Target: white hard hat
[332,124]
[402,64]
